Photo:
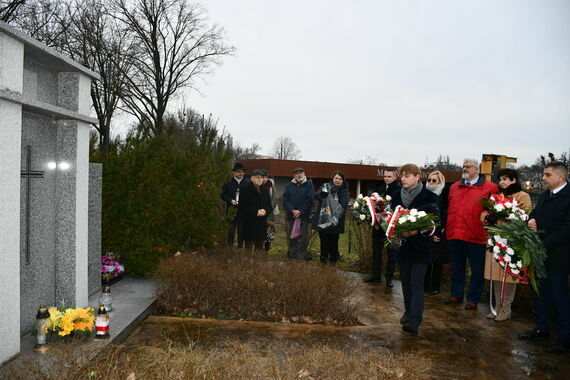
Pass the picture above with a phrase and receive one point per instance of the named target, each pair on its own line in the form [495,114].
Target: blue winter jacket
[298,197]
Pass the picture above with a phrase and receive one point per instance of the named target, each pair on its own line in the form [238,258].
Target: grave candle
[41,329]
[102,323]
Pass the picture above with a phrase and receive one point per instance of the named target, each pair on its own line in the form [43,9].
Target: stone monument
[44,183]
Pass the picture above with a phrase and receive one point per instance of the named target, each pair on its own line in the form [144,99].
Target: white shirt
[559,188]
[238,180]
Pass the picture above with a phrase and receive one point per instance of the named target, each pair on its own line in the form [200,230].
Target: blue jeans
[461,251]
[412,278]
[554,293]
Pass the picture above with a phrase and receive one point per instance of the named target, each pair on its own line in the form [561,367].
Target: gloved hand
[324,194]
[491,219]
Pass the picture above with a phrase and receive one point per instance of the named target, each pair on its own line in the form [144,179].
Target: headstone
[95,206]
[44,187]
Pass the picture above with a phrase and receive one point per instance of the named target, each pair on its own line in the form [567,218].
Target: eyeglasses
[432,180]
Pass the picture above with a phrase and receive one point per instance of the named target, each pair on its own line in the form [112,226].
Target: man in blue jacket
[551,217]
[297,202]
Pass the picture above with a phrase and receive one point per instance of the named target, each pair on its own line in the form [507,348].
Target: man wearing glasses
[466,236]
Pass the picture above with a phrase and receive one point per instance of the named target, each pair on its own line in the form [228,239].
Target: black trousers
[329,247]
[256,245]
[378,239]
[412,277]
[432,280]
[235,226]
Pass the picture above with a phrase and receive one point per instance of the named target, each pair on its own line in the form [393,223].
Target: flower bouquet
[516,247]
[68,321]
[519,251]
[403,220]
[503,207]
[372,209]
[111,269]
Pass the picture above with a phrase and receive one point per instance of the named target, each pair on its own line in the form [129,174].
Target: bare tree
[243,153]
[44,20]
[284,148]
[442,163]
[95,39]
[368,160]
[176,47]
[9,9]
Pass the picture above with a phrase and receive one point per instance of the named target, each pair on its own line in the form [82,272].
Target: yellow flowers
[70,320]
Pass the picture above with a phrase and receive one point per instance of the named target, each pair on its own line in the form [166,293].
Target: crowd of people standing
[460,237]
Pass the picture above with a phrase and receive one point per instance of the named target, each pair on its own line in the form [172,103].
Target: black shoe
[389,283]
[433,292]
[534,333]
[404,319]
[559,348]
[412,330]
[372,279]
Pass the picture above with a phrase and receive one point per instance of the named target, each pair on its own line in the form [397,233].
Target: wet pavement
[461,343]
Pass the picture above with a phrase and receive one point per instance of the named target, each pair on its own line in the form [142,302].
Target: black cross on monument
[29,174]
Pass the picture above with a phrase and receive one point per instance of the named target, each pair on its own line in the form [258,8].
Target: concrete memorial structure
[44,185]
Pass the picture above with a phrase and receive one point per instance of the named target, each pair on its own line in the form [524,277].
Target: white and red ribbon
[392,221]
[372,209]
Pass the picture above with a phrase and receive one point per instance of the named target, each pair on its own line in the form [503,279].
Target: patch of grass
[349,258]
[234,284]
[234,360]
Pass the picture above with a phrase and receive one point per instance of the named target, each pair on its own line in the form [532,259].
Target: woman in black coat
[254,207]
[436,184]
[338,188]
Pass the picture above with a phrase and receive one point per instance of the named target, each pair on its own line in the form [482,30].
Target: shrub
[362,242]
[162,193]
[241,285]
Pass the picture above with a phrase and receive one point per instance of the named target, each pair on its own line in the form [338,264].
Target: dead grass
[232,284]
[232,361]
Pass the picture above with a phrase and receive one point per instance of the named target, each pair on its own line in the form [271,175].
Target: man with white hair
[466,236]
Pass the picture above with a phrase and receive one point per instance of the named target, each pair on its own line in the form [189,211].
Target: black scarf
[513,188]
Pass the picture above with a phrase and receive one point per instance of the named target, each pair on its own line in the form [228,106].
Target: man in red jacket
[465,233]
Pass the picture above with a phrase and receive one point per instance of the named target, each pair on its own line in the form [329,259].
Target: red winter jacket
[464,212]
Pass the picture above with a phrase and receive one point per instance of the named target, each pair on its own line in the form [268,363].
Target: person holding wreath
[415,253]
[509,186]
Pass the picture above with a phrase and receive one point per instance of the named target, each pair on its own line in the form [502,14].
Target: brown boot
[505,314]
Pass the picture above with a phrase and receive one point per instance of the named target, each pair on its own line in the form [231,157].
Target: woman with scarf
[436,184]
[510,186]
[338,188]
[414,255]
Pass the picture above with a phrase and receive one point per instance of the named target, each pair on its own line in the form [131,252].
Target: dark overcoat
[417,249]
[552,215]
[251,200]
[441,254]
[341,192]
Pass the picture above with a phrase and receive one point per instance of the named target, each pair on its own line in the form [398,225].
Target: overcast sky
[401,81]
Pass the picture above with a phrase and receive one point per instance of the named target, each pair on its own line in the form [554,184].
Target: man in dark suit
[552,216]
[390,187]
[230,194]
